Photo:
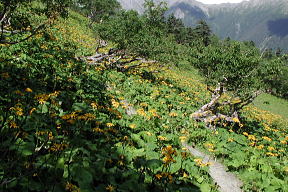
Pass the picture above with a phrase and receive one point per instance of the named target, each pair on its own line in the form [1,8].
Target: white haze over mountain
[220,1]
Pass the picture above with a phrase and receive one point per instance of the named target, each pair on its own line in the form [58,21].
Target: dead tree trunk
[210,114]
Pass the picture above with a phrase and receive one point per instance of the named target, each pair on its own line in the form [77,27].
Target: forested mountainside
[263,21]
[96,98]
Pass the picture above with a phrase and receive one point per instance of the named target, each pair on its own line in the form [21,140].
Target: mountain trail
[227,181]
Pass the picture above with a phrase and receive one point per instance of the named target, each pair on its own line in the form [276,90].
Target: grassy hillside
[273,104]
[70,126]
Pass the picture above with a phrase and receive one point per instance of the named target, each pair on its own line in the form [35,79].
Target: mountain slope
[263,21]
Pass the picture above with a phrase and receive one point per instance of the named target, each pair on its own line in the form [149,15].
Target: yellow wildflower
[185,175]
[236,120]
[252,137]
[283,142]
[18,110]
[270,148]
[132,126]
[32,110]
[109,124]
[148,133]
[115,103]
[141,112]
[211,150]
[161,138]
[28,90]
[13,125]
[183,138]
[94,105]
[245,133]
[98,130]
[173,114]
[110,188]
[260,146]
[230,140]
[267,138]
[272,154]
[158,176]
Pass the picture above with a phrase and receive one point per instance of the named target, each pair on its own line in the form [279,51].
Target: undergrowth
[67,127]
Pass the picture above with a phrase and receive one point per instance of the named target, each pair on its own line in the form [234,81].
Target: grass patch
[273,104]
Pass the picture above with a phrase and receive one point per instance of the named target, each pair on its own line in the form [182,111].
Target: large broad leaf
[176,166]
[205,187]
[82,176]
[80,106]
[154,164]
[27,148]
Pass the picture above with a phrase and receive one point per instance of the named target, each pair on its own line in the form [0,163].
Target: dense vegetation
[68,123]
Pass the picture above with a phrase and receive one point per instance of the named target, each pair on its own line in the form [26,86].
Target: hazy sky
[220,1]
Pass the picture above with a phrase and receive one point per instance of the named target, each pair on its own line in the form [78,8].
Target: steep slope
[65,124]
[263,21]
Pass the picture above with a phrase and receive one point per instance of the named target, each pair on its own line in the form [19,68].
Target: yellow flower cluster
[98,130]
[267,138]
[94,105]
[58,147]
[183,138]
[71,188]
[17,109]
[115,103]
[71,117]
[168,153]
[173,114]
[210,147]
[154,113]
[272,154]
[199,162]
[141,112]
[252,137]
[40,133]
[165,175]
[109,124]
[42,98]
[161,138]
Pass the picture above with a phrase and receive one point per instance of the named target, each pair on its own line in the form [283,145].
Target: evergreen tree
[203,32]
[155,13]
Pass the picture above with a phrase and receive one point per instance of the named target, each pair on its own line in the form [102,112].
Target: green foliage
[96,10]
[64,124]
[136,36]
[154,13]
[20,20]
[274,73]
[234,66]
[203,32]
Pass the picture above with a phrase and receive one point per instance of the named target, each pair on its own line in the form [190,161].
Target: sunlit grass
[273,104]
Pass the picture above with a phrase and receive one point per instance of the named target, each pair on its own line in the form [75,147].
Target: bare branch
[33,32]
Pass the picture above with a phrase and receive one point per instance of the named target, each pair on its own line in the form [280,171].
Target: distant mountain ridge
[263,21]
